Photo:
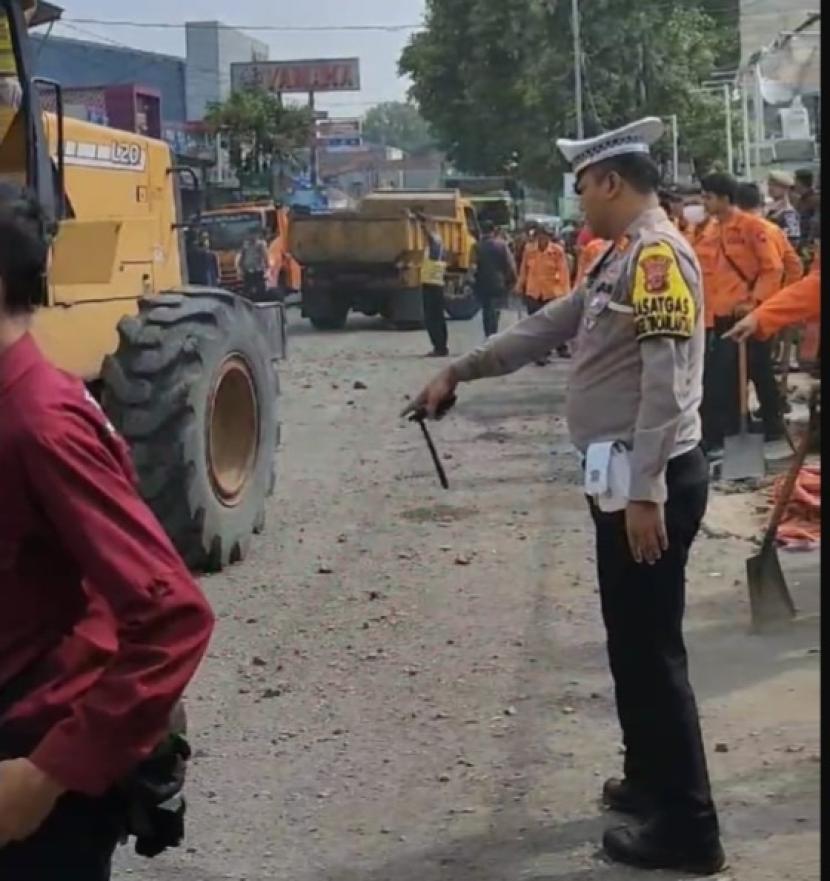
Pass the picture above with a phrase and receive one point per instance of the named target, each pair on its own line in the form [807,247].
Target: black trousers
[76,843]
[642,607]
[434,317]
[253,286]
[720,410]
[491,305]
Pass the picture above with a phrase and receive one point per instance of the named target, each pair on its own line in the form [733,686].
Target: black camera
[154,806]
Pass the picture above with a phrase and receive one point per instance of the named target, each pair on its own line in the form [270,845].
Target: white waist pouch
[608,475]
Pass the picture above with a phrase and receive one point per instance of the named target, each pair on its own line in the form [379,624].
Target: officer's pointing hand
[27,797]
[437,392]
[646,528]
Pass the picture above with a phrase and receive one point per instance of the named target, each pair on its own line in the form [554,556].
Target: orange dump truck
[228,228]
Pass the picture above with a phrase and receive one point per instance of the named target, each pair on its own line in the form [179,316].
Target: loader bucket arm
[23,143]
[45,13]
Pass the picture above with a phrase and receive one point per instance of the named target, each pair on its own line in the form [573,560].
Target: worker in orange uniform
[704,238]
[748,198]
[544,275]
[672,203]
[748,269]
[793,304]
[588,255]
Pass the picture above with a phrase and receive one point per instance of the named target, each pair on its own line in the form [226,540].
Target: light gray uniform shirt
[637,371]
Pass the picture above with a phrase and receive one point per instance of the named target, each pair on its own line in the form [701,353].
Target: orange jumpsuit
[704,239]
[544,275]
[748,265]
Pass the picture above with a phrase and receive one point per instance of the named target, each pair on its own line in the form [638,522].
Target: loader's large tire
[192,387]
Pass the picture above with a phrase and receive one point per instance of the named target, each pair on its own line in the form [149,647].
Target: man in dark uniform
[202,262]
[495,275]
[633,400]
[807,204]
[101,625]
[782,213]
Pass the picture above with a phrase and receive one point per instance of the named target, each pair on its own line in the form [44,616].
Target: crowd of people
[751,254]
[665,284]
[749,249]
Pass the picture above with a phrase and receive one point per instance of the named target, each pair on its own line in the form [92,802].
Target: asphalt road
[408,684]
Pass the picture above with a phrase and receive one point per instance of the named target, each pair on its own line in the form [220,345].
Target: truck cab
[228,227]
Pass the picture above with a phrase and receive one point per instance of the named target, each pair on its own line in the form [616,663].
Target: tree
[260,130]
[398,124]
[494,78]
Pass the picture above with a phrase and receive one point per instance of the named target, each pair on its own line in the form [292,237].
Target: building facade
[84,64]
[211,49]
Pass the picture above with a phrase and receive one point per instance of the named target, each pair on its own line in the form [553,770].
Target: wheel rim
[232,430]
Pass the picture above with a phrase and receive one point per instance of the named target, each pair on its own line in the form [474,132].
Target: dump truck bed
[351,238]
[369,238]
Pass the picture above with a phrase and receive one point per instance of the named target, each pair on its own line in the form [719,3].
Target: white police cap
[636,137]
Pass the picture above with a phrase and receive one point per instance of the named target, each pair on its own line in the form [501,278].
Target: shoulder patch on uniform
[663,303]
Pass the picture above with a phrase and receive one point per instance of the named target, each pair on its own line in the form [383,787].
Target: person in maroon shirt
[99,617]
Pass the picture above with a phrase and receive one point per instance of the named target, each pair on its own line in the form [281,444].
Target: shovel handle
[789,483]
[743,386]
[787,347]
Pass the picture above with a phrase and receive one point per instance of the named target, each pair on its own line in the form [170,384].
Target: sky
[378,50]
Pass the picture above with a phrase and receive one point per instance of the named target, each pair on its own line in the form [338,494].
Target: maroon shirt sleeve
[163,620]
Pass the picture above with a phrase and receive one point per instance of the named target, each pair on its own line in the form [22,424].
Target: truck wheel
[330,322]
[460,302]
[193,389]
[333,318]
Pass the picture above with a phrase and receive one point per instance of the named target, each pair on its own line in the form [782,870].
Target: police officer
[636,379]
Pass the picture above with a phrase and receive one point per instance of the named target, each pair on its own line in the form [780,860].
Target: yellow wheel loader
[186,374]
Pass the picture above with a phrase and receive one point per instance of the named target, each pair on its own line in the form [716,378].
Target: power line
[167,25]
[744,11]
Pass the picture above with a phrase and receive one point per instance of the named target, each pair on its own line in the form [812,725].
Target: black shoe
[626,797]
[438,353]
[647,847]
[563,352]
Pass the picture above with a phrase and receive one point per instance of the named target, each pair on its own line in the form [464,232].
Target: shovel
[743,453]
[769,598]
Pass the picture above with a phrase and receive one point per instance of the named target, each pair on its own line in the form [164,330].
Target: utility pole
[675,149]
[314,158]
[727,106]
[580,124]
[746,131]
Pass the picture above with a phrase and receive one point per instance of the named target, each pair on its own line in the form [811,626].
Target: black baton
[420,416]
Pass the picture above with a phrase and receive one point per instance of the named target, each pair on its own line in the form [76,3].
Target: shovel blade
[769,597]
[743,457]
